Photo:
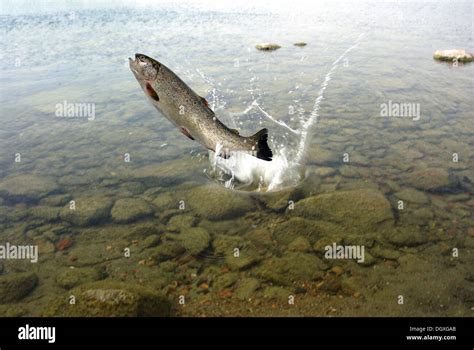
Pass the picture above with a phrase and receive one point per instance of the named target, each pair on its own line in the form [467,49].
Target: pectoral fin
[186,132]
[151,92]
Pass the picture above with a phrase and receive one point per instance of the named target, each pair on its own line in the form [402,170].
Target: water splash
[242,171]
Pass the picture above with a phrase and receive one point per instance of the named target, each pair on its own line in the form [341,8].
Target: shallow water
[150,210]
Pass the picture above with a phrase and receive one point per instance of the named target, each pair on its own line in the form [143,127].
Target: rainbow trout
[191,113]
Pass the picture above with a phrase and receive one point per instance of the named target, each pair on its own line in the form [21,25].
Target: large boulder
[412,196]
[360,209]
[107,298]
[27,186]
[214,202]
[193,239]
[68,278]
[287,231]
[130,209]
[430,179]
[15,286]
[165,173]
[88,210]
[293,267]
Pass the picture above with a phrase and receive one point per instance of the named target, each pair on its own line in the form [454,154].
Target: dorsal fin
[204,101]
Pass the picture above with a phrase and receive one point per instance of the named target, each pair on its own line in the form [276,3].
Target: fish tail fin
[260,139]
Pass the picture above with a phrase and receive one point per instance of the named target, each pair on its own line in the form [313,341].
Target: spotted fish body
[191,113]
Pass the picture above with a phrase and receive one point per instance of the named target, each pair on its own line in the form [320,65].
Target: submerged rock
[360,209]
[181,222]
[452,55]
[69,278]
[291,268]
[279,201]
[27,186]
[218,203]
[300,244]
[385,253]
[88,210]
[325,171]
[267,47]
[277,293]
[130,209]
[56,200]
[413,196]
[287,231]
[166,250]
[246,288]
[15,286]
[406,236]
[193,239]
[225,281]
[167,201]
[44,212]
[111,299]
[431,179]
[166,173]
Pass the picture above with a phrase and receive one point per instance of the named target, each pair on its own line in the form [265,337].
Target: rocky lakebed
[148,241]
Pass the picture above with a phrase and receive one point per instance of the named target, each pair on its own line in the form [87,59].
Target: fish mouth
[144,67]
[134,65]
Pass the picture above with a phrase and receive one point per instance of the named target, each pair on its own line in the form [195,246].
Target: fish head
[144,67]
[147,71]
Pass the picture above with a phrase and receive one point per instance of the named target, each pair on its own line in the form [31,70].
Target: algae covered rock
[226,280]
[56,200]
[166,201]
[246,288]
[290,268]
[218,203]
[166,173]
[87,210]
[287,231]
[277,293]
[15,286]
[166,250]
[194,240]
[181,222]
[413,196]
[68,278]
[45,213]
[243,261]
[406,236]
[430,179]
[27,186]
[300,244]
[111,299]
[126,210]
[360,209]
